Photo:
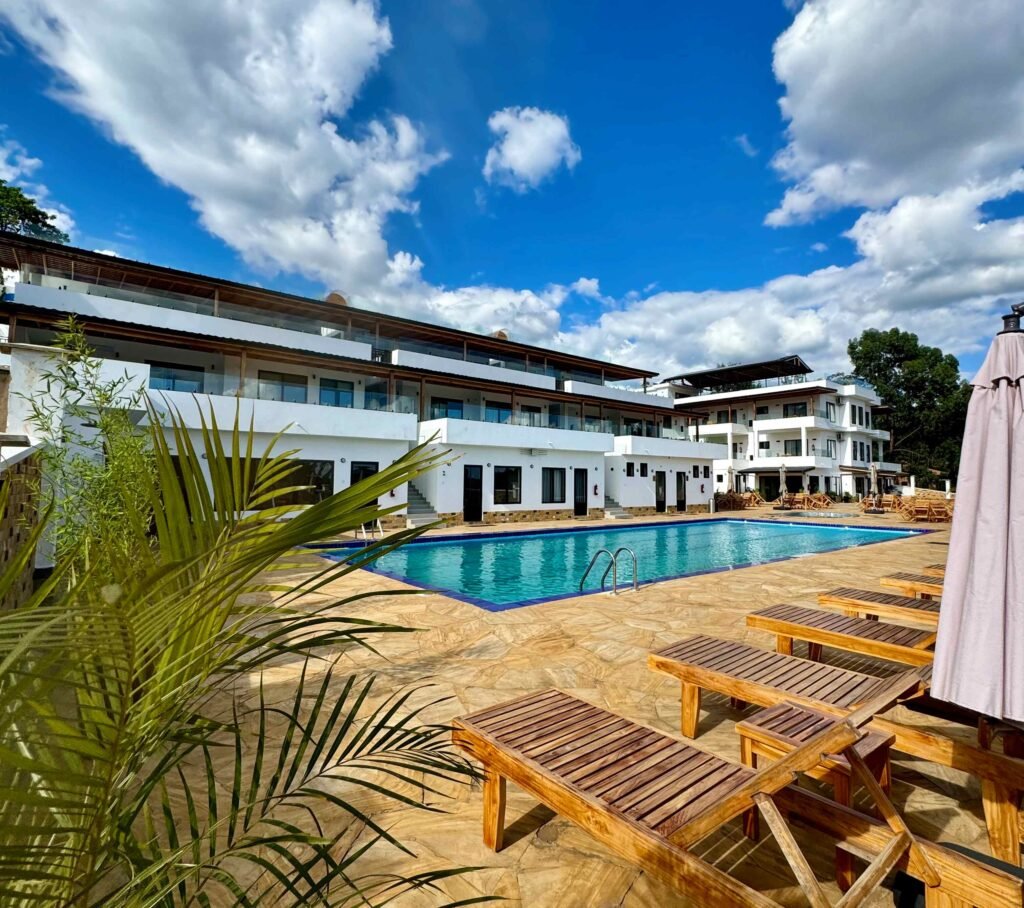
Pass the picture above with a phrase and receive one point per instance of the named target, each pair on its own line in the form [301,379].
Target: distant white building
[534,434]
[776,414]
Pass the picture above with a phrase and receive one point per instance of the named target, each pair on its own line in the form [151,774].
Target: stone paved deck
[595,647]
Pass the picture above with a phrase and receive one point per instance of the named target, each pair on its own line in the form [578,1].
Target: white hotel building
[535,434]
[821,429]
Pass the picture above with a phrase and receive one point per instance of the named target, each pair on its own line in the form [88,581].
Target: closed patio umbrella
[782,480]
[979,652]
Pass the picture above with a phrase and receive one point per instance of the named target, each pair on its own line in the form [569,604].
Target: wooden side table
[774,732]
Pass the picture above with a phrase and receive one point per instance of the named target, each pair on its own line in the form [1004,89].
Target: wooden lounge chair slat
[934,570]
[680,793]
[913,584]
[615,777]
[598,753]
[524,729]
[502,722]
[484,716]
[566,739]
[671,814]
[661,774]
[882,605]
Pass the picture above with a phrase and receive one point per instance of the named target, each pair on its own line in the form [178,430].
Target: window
[630,468]
[789,410]
[532,415]
[867,418]
[696,471]
[443,408]
[719,477]
[791,447]
[336,393]
[762,411]
[171,377]
[282,386]
[362,469]
[375,394]
[830,447]
[763,445]
[860,416]
[830,411]
[707,472]
[722,416]
[735,449]
[508,485]
[497,411]
[316,475]
[552,485]
[643,469]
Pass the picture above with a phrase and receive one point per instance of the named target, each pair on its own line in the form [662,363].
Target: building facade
[532,433]
[776,415]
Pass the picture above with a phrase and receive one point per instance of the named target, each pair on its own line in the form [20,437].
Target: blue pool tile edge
[487,605]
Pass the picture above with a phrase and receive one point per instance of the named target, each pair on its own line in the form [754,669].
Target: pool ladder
[613,566]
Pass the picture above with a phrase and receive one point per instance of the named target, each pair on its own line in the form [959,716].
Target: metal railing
[613,566]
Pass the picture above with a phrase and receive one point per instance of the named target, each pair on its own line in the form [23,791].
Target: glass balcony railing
[213,384]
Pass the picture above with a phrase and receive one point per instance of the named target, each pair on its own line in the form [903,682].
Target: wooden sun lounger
[748,674]
[913,584]
[856,635]
[650,798]
[881,605]
[934,570]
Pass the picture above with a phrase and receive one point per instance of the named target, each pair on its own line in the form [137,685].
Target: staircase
[613,509]
[419,511]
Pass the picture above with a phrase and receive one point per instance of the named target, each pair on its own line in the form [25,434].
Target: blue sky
[632,222]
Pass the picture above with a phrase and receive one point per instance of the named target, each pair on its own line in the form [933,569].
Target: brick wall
[16,524]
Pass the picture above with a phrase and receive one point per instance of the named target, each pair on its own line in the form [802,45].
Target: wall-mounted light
[488,464]
[341,460]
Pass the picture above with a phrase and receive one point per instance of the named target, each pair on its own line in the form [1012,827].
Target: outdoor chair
[651,798]
[855,635]
[747,674]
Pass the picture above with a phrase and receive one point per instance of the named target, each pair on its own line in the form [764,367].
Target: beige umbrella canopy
[979,653]
[874,478]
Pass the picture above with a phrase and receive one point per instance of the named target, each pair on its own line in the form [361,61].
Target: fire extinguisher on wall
[702,488]
[595,490]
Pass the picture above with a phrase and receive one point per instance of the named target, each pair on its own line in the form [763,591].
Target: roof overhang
[783,367]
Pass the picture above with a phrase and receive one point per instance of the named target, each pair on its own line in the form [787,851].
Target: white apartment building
[776,414]
[533,434]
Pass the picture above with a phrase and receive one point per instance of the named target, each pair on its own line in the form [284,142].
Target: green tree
[145,756]
[926,394]
[19,213]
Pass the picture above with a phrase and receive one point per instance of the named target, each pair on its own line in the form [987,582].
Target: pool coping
[489,606]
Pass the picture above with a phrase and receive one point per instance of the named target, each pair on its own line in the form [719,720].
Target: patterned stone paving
[595,647]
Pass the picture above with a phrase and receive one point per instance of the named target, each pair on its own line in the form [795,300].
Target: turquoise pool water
[500,571]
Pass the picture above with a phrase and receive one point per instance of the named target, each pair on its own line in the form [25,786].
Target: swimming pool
[498,571]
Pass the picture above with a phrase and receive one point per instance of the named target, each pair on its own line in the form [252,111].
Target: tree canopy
[20,213]
[926,394]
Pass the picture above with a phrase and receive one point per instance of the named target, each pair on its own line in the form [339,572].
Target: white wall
[443,487]
[637,491]
[468,432]
[624,395]
[473,370]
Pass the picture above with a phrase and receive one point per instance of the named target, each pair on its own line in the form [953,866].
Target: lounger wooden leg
[784,645]
[494,810]
[814,652]
[752,817]
[841,788]
[690,711]
[1000,803]
[844,869]
[737,703]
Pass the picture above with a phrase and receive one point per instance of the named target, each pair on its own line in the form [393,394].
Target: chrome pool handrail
[615,561]
[590,567]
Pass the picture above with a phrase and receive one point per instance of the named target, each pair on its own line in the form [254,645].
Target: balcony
[457,366]
[721,429]
[817,420]
[619,395]
[766,461]
[667,446]
[515,434]
[380,420]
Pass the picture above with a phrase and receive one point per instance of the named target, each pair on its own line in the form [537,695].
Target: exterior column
[803,440]
[728,444]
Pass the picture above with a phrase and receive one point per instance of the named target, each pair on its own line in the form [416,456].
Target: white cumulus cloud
[531,145]
[18,168]
[885,99]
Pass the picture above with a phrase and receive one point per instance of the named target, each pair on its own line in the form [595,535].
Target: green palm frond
[133,772]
